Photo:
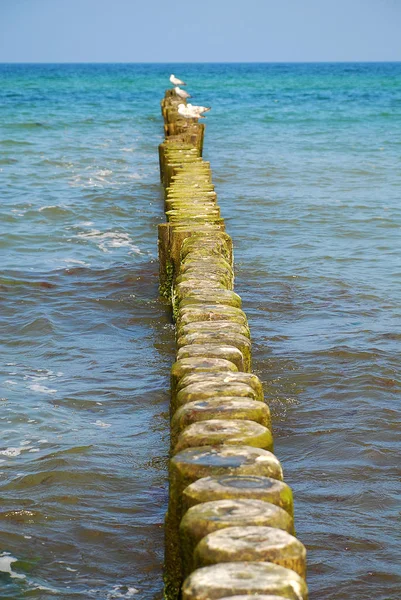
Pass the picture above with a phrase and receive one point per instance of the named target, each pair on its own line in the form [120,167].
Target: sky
[200,31]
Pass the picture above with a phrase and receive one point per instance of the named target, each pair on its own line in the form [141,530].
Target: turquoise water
[306,160]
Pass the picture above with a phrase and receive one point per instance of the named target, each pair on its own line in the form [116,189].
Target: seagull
[198,109]
[190,112]
[181,93]
[176,81]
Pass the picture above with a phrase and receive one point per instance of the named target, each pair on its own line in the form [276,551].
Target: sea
[306,161]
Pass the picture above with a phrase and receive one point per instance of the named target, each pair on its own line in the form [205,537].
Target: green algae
[230,338]
[223,408]
[201,312]
[250,543]
[231,353]
[222,487]
[203,519]
[224,378]
[211,389]
[214,432]
[197,365]
[244,578]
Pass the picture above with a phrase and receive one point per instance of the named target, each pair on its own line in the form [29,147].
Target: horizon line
[252,62]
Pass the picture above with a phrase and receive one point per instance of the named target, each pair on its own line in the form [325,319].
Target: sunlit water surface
[306,160]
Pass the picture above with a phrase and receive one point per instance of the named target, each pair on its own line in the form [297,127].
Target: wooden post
[226,492]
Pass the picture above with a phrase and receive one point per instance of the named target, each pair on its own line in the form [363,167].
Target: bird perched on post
[199,109]
[175,81]
[192,112]
[181,93]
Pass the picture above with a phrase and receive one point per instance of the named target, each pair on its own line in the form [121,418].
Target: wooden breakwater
[229,525]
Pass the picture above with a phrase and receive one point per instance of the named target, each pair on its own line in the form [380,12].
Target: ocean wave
[109,240]
[121,591]
[102,178]
[54,210]
[8,161]
[74,261]
[10,142]
[42,389]
[40,325]
[26,125]
[6,560]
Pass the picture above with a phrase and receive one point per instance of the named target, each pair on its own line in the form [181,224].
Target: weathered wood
[244,578]
[202,519]
[215,432]
[198,365]
[221,407]
[223,487]
[231,353]
[250,543]
[220,428]
[165,265]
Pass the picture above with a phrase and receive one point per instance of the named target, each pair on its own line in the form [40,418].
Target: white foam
[101,423]
[122,591]
[73,261]
[82,224]
[45,374]
[6,560]
[11,451]
[43,588]
[10,382]
[110,239]
[36,387]
[50,206]
[40,375]
[94,181]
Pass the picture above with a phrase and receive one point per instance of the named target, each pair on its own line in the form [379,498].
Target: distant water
[306,160]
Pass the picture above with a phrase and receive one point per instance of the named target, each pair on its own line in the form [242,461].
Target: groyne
[229,525]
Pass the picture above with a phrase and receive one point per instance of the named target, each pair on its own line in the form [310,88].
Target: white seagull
[181,93]
[189,112]
[176,81]
[199,109]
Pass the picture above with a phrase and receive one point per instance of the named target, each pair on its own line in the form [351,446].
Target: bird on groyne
[199,109]
[181,93]
[192,112]
[175,81]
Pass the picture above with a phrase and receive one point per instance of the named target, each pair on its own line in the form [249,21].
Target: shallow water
[87,345]
[306,162]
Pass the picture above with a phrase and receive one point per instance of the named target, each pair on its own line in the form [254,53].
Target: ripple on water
[317,268]
[79,470]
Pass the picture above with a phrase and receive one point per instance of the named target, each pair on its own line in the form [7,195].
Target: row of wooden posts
[229,525]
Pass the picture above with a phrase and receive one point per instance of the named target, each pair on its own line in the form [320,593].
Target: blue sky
[202,31]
